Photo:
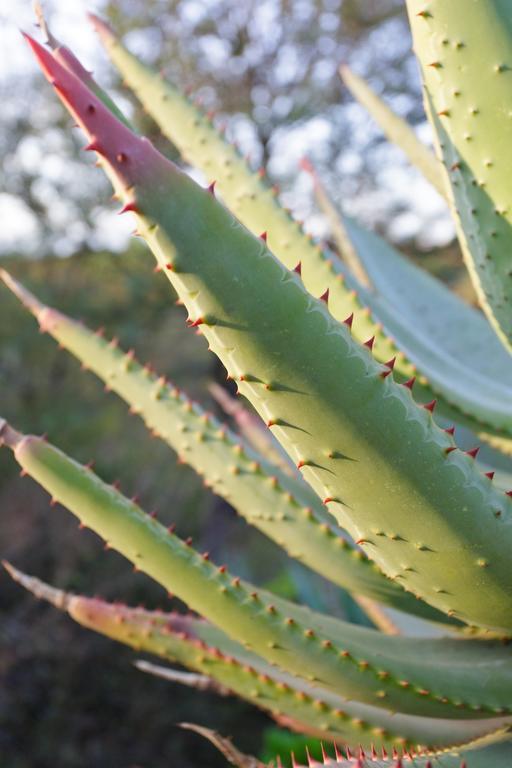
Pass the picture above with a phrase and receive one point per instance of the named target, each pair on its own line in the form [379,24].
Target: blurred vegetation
[65,694]
[68,697]
[267,68]
[63,688]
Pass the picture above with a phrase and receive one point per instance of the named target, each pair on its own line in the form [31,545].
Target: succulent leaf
[396,129]
[284,508]
[459,679]
[494,756]
[338,231]
[464,54]
[389,474]
[448,341]
[249,197]
[205,649]
[253,429]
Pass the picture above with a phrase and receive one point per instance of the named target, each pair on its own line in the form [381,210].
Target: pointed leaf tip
[103,30]
[43,56]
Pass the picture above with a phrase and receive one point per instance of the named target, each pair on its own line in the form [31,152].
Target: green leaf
[464,53]
[249,197]
[284,508]
[207,650]
[389,474]
[450,343]
[458,679]
[396,129]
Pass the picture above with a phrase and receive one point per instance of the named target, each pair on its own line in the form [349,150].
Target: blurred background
[268,69]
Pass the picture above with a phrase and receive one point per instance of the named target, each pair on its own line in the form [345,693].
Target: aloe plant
[381,501]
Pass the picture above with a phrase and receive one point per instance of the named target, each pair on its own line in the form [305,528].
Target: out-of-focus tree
[269,69]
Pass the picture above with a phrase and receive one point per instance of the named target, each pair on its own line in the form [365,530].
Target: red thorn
[121,157]
[370,343]
[131,205]
[430,406]
[490,475]
[508,493]
[450,431]
[349,320]
[328,499]
[410,383]
[473,452]
[263,237]
[298,269]
[195,323]
[325,296]
[450,449]
[169,267]
[391,363]
[93,146]
[301,463]
[385,374]
[211,188]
